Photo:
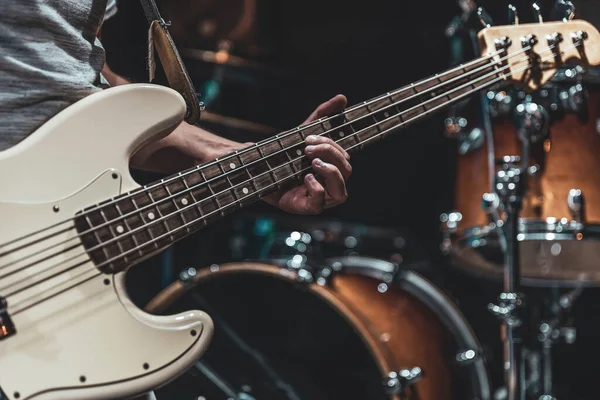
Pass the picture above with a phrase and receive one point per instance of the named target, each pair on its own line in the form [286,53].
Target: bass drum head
[278,338]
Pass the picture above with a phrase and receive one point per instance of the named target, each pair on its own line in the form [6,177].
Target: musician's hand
[326,187]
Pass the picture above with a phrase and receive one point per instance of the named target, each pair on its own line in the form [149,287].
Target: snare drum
[356,328]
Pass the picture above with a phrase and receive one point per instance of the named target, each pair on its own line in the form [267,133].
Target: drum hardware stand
[225,387]
[397,382]
[551,331]
[509,189]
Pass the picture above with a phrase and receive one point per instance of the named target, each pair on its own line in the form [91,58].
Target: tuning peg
[513,15]
[537,12]
[484,18]
[563,10]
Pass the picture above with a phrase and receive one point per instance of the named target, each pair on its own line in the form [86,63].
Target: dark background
[319,49]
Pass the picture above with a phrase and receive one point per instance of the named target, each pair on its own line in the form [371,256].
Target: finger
[332,106]
[330,154]
[332,177]
[314,140]
[315,200]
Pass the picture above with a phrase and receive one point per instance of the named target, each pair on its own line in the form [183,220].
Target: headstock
[529,54]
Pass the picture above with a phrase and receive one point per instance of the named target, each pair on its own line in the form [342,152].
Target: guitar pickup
[7,328]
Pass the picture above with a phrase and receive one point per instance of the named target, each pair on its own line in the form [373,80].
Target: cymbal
[224,57]
[237,123]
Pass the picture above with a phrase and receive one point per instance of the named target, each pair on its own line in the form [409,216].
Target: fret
[178,203]
[129,240]
[208,204]
[136,221]
[272,179]
[100,235]
[364,128]
[315,129]
[156,228]
[259,170]
[191,213]
[114,232]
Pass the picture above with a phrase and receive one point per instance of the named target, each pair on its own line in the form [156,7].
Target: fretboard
[123,231]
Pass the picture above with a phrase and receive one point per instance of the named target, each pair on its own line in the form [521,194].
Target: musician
[51,57]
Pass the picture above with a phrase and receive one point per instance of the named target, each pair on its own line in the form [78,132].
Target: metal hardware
[450,221]
[304,276]
[509,186]
[532,122]
[529,40]
[490,202]
[187,274]
[397,382]
[7,328]
[507,307]
[449,226]
[484,18]
[454,125]
[467,357]
[576,205]
[502,43]
[579,37]
[537,13]
[563,10]
[513,15]
[470,141]
[553,40]
[323,276]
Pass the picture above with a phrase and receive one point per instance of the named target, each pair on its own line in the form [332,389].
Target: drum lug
[576,204]
[397,382]
[467,357]
[449,226]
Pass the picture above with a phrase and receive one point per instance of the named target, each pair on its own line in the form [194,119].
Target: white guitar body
[87,341]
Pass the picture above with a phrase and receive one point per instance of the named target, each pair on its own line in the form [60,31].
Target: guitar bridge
[7,328]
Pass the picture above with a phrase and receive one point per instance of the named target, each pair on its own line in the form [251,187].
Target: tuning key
[484,18]
[537,13]
[513,15]
[564,10]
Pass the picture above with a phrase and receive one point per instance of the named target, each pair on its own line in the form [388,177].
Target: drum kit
[322,310]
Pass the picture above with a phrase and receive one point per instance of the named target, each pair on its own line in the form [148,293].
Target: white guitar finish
[90,341]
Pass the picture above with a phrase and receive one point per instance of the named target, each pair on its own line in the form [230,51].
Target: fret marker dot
[232,165]
[245,190]
[386,114]
[299,152]
[120,229]
[341,134]
[150,215]
[184,201]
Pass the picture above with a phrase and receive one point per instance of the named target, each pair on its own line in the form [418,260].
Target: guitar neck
[136,225]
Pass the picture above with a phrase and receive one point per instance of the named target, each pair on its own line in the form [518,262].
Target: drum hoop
[176,290]
[421,288]
[435,300]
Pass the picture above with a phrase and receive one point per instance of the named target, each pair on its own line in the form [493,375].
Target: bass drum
[356,329]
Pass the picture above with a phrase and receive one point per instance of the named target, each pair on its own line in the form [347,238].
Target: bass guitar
[74,220]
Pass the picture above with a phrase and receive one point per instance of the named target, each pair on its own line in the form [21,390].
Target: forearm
[186,146]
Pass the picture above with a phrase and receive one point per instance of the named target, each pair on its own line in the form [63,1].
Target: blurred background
[262,66]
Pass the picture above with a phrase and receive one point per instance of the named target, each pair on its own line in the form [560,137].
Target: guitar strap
[160,41]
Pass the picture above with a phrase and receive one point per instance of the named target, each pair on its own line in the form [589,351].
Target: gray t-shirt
[49,58]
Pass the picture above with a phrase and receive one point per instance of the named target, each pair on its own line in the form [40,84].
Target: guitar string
[238,201]
[272,140]
[189,189]
[195,204]
[291,176]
